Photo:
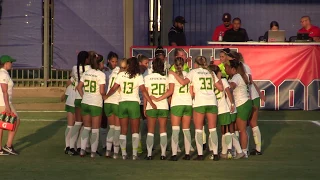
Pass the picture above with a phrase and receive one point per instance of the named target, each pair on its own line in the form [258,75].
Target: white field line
[316,122]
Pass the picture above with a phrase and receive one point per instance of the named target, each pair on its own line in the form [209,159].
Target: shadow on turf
[39,136]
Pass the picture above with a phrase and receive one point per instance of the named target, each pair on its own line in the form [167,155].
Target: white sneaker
[115,156]
[108,154]
[93,155]
[125,157]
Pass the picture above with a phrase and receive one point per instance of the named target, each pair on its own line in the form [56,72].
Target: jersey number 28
[90,86]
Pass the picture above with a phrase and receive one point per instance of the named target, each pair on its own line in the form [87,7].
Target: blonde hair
[202,62]
[179,62]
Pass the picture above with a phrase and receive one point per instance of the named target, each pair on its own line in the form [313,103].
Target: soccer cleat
[186,157]
[135,158]
[82,153]
[93,155]
[3,153]
[66,150]
[229,154]
[108,154]
[173,158]
[223,156]
[115,156]
[255,152]
[239,155]
[199,158]
[148,158]
[125,157]
[10,150]
[73,152]
[179,150]
[163,158]
[216,157]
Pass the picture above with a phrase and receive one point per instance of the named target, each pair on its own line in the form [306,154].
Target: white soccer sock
[175,139]
[75,133]
[237,134]
[223,144]
[214,140]
[199,141]
[135,143]
[187,140]
[84,137]
[210,144]
[123,144]
[248,135]
[67,135]
[257,138]
[149,143]
[236,143]
[79,138]
[116,143]
[163,143]
[103,136]
[204,136]
[109,139]
[94,140]
[228,140]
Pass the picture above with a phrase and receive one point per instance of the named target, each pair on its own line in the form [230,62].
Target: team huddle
[223,95]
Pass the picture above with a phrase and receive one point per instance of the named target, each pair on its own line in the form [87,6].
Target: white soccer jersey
[240,93]
[148,71]
[114,98]
[71,87]
[203,84]
[92,80]
[223,106]
[74,74]
[5,79]
[181,94]
[253,92]
[157,85]
[129,87]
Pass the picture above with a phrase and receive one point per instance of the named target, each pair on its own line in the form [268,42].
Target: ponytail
[81,60]
[179,63]
[240,70]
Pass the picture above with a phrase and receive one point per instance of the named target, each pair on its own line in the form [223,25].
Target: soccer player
[156,84]
[91,88]
[130,83]
[239,84]
[255,96]
[205,103]
[224,57]
[77,71]
[181,109]
[70,109]
[111,109]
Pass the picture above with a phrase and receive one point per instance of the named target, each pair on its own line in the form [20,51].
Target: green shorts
[129,109]
[181,110]
[233,117]
[256,102]
[90,110]
[77,103]
[111,109]
[157,113]
[244,111]
[206,109]
[224,119]
[69,109]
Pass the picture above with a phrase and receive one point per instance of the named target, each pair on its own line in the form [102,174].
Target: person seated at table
[221,29]
[236,34]
[274,26]
[307,27]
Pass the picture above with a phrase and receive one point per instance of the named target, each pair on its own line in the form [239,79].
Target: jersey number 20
[158,89]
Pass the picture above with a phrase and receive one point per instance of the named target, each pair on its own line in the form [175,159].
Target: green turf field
[291,151]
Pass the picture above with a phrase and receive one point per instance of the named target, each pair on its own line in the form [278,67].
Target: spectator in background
[307,27]
[274,26]
[179,52]
[176,34]
[221,29]
[236,34]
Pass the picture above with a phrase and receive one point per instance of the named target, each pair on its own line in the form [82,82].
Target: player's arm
[262,96]
[80,88]
[192,92]
[146,96]
[4,88]
[111,91]
[181,80]
[145,103]
[230,97]
[165,95]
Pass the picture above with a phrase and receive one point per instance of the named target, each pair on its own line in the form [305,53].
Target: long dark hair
[214,68]
[158,66]
[240,69]
[274,23]
[133,67]
[93,57]
[81,60]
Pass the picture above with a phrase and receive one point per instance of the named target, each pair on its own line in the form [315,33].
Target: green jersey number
[206,83]
[184,89]
[128,87]
[158,89]
[90,86]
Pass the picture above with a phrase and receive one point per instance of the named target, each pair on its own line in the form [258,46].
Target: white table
[250,43]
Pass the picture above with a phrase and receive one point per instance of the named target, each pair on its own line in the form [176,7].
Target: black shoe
[216,157]
[148,158]
[173,158]
[199,158]
[186,157]
[10,150]
[73,152]
[163,158]
[98,153]
[255,152]
[66,150]
[3,153]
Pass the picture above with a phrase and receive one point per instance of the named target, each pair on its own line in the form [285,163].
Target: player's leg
[186,119]
[198,118]
[96,113]
[134,116]
[163,117]
[244,112]
[76,128]
[151,118]
[211,115]
[116,142]
[111,123]
[11,134]
[124,123]
[175,117]
[103,129]
[70,123]
[87,124]
[143,129]
[255,127]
